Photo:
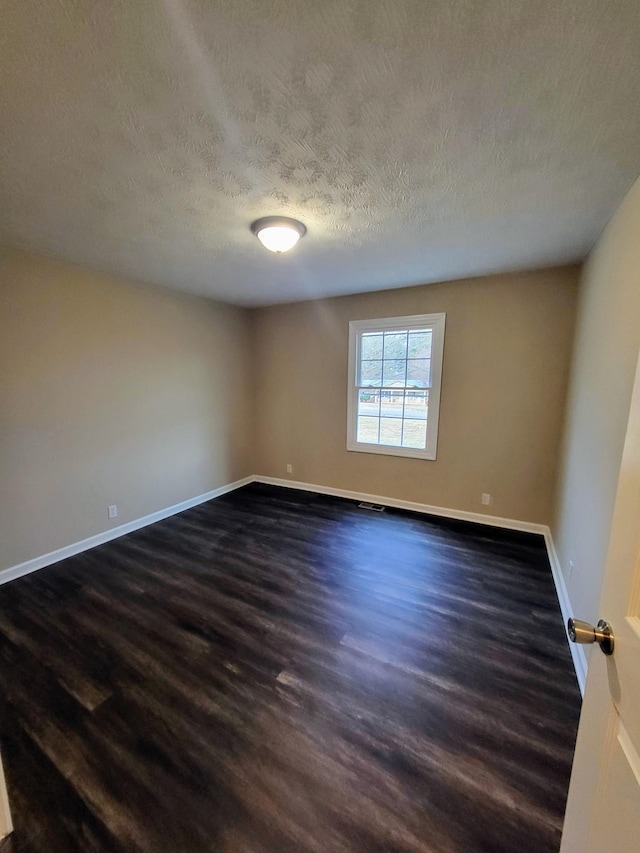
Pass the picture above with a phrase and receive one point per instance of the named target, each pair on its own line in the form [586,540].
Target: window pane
[394,373]
[391,404]
[419,372]
[368,403]
[391,431]
[368,430]
[414,434]
[415,405]
[419,345]
[371,373]
[395,345]
[371,346]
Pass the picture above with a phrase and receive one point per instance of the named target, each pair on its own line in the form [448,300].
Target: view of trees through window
[394,378]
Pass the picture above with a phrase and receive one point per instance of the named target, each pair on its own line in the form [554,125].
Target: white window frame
[434,322]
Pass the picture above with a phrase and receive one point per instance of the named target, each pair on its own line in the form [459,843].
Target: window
[395,368]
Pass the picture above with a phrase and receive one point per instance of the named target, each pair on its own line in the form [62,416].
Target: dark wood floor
[281,671]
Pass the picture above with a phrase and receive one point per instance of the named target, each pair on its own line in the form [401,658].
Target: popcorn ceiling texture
[417,140]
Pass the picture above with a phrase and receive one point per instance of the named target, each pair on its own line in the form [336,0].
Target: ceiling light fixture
[278,233]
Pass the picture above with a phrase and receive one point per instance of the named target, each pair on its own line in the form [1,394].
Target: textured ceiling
[419,140]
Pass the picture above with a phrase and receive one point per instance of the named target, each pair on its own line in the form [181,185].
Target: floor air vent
[372,507]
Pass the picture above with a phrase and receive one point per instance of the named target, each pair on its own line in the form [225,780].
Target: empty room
[320,426]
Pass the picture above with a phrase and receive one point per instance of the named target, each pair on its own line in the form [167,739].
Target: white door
[603,808]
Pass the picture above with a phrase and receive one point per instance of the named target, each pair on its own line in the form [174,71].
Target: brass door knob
[583,632]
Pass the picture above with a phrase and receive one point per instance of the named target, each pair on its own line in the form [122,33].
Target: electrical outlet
[289,468]
[486,499]
[112,511]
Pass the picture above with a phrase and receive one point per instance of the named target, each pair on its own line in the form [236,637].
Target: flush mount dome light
[278,233]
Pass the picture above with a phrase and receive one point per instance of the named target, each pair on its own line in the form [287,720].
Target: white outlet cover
[112,511]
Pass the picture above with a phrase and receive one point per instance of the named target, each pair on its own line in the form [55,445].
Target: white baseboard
[444,512]
[6,824]
[29,566]
[577,651]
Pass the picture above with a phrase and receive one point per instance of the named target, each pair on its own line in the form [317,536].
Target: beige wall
[604,365]
[111,393]
[507,348]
